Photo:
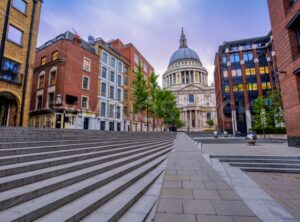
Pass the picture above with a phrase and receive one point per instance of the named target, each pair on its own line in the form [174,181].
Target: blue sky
[153,26]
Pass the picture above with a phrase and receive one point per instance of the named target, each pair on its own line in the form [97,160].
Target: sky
[154,26]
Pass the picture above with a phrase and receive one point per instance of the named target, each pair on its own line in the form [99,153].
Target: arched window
[208,116]
[41,80]
[52,76]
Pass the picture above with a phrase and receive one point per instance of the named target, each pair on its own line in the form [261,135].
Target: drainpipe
[27,62]
[4,33]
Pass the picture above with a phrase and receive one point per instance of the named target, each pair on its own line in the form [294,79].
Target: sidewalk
[193,191]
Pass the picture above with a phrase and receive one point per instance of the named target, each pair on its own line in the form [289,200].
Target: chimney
[91,40]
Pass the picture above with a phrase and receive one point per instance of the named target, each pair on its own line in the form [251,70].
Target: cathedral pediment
[192,87]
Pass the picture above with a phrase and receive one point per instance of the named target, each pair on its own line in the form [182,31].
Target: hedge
[269,130]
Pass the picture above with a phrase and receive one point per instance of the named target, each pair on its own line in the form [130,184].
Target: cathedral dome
[184,53]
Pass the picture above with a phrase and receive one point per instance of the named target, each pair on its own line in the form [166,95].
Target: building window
[234,58]
[125,94]
[52,79]
[119,94]
[111,111]
[191,98]
[41,81]
[102,125]
[104,72]
[43,60]
[145,68]
[10,70]
[125,80]
[119,80]
[39,102]
[226,89]
[84,102]
[208,116]
[103,89]
[118,112]
[136,59]
[103,110]
[252,86]
[86,64]
[113,62]
[120,67]
[20,5]
[54,56]
[248,56]
[51,100]
[86,82]
[250,71]
[15,35]
[111,92]
[104,57]
[112,76]
[294,34]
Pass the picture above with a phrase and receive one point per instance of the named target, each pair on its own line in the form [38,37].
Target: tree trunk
[141,121]
[153,124]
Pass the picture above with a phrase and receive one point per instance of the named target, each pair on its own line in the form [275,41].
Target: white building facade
[111,91]
[188,80]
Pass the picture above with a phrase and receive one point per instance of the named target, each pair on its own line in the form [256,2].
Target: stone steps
[65,151]
[42,143]
[79,200]
[24,193]
[12,169]
[272,164]
[79,175]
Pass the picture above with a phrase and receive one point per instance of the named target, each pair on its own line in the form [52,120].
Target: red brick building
[130,52]
[285,21]
[65,84]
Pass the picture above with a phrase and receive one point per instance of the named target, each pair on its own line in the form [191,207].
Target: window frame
[88,82]
[84,65]
[54,55]
[104,83]
[11,40]
[37,102]
[50,75]
[26,5]
[102,59]
[42,60]
[48,100]
[87,102]
[110,95]
[101,109]
[39,80]
[103,67]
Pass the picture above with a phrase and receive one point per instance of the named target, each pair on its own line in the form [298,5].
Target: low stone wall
[274,136]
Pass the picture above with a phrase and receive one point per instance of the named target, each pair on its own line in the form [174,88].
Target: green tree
[153,89]
[210,123]
[259,120]
[275,108]
[140,93]
[166,108]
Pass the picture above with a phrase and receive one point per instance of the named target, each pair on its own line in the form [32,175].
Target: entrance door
[58,121]
[241,123]
[86,123]
[4,107]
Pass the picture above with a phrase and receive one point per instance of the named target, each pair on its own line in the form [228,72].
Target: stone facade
[113,94]
[187,79]
[17,53]
[285,21]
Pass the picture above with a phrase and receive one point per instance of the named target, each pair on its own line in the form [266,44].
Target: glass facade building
[244,70]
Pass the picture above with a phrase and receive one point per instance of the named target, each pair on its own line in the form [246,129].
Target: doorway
[86,123]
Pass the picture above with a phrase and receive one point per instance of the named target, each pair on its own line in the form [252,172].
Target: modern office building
[19,23]
[188,80]
[244,70]
[113,88]
[285,21]
[65,84]
[132,54]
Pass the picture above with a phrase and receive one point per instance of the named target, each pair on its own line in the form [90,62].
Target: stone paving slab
[193,191]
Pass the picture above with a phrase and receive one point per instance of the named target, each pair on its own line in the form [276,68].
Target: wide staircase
[271,164]
[76,175]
